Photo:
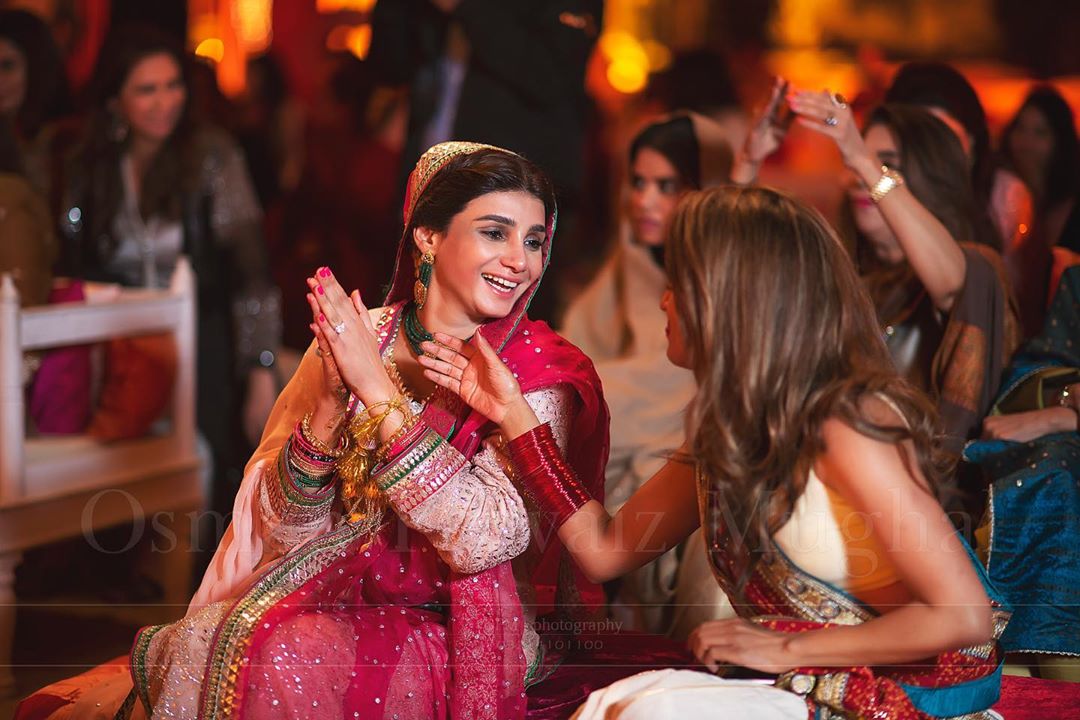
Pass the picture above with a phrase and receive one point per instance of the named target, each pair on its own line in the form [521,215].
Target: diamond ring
[340,327]
[831,121]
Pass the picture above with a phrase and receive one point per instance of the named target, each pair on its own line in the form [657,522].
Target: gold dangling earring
[423,278]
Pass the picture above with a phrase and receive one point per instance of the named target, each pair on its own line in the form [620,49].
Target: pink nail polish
[324,272]
[319,289]
[322,318]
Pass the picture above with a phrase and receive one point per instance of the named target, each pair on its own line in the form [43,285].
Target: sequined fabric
[236,222]
[345,624]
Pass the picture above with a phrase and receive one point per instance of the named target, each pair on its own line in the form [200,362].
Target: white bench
[52,488]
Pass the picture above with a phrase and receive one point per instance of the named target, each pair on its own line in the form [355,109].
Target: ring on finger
[831,120]
[339,328]
[318,352]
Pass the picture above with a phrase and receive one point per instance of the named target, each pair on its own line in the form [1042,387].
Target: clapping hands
[347,341]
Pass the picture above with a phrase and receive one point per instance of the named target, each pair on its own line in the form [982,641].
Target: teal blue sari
[1033,553]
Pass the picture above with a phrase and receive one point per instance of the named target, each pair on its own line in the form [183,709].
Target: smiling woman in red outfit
[379,562]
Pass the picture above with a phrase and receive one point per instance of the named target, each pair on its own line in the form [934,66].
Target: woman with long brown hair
[810,462]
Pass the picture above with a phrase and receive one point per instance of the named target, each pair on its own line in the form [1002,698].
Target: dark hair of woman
[1063,173]
[47,95]
[777,354]
[938,85]
[468,176]
[676,141]
[175,168]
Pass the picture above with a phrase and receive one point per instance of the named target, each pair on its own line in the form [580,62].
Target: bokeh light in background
[211,48]
[628,63]
[334,6]
[839,44]
[639,38]
[228,32]
[355,39]
[254,19]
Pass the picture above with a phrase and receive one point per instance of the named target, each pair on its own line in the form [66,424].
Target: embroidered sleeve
[295,497]
[469,509]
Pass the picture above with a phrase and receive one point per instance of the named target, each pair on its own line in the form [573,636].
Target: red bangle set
[545,476]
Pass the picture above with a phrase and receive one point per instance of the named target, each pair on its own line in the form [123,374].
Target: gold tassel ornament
[364,502]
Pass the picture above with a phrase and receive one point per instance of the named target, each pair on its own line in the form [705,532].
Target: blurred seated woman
[1005,210]
[1031,456]
[940,294]
[810,464]
[616,321]
[1040,144]
[147,185]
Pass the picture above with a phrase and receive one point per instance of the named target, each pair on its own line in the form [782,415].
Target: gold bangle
[889,181]
[364,427]
[392,404]
[305,430]
[384,448]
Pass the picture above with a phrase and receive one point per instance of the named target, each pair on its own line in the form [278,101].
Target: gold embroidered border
[432,161]
[813,599]
[234,634]
[430,473]
[138,662]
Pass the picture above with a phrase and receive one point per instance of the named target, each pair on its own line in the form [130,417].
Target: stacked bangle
[317,446]
[310,461]
[545,477]
[296,503]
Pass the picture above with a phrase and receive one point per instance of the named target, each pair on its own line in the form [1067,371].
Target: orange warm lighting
[659,55]
[334,6]
[355,39]
[628,68]
[212,49]
[253,20]
[214,32]
[627,77]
